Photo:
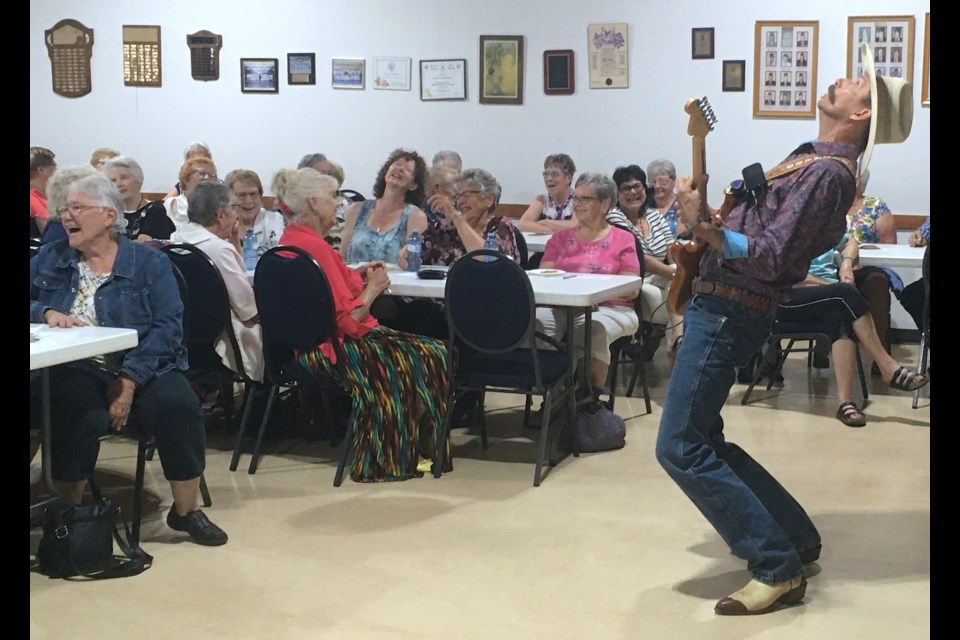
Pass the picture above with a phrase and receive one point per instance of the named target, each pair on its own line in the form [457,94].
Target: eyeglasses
[552,173]
[247,194]
[203,174]
[76,209]
[234,206]
[662,182]
[463,194]
[584,199]
[633,186]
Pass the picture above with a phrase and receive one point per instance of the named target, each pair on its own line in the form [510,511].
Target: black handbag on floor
[78,542]
[597,428]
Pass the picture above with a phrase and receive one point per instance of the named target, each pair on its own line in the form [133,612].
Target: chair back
[351,195]
[522,251]
[489,304]
[35,245]
[206,305]
[296,306]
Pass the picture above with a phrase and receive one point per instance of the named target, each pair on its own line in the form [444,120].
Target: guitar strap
[799,162]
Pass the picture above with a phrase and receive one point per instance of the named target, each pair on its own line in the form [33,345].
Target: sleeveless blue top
[366,244]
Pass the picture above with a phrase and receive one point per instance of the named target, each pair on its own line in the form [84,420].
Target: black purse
[78,542]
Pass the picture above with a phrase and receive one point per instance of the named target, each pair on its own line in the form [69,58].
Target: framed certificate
[391,73]
[785,68]
[609,56]
[443,79]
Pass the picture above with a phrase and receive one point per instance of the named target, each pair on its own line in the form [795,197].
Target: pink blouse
[614,253]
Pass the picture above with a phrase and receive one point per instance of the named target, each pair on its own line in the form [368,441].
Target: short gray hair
[194,147]
[205,200]
[561,160]
[603,186]
[99,189]
[658,166]
[125,162]
[310,159]
[448,157]
[60,183]
[482,179]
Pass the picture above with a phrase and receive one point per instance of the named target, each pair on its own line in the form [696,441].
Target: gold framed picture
[501,69]
[890,37]
[785,68]
[925,86]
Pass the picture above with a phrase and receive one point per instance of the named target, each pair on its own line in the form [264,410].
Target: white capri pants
[653,299]
[608,323]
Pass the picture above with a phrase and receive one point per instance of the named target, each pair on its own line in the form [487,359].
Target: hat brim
[866,54]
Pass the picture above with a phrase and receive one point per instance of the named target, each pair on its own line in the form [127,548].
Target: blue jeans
[757,518]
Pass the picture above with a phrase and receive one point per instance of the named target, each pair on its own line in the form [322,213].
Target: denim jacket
[141,294]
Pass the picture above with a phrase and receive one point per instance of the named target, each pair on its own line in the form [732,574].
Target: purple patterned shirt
[802,215]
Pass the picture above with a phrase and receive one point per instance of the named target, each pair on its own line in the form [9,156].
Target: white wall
[600,129]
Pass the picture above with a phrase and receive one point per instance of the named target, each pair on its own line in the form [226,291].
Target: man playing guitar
[752,259]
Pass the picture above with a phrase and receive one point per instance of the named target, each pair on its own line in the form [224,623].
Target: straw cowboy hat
[891,108]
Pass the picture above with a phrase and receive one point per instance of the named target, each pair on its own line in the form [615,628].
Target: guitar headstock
[702,117]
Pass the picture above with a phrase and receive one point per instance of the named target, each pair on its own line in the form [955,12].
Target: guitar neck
[699,157]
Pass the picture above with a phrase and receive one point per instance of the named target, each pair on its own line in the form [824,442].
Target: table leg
[45,457]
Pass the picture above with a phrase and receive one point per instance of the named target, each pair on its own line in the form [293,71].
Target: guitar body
[687,255]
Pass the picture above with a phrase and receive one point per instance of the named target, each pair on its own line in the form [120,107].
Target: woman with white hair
[146,219]
[57,189]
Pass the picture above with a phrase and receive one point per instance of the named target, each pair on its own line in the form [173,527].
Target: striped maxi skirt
[392,377]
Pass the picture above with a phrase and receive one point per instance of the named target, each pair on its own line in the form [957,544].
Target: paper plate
[546,272]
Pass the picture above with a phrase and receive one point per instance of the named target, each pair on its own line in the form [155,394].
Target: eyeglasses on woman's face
[205,174]
[627,187]
[76,209]
[553,173]
[457,197]
[577,199]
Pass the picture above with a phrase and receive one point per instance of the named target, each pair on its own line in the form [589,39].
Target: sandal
[906,380]
[849,414]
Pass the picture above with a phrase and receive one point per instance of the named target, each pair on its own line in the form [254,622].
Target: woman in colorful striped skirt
[395,378]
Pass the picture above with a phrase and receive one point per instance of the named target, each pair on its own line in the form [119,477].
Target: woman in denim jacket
[99,277]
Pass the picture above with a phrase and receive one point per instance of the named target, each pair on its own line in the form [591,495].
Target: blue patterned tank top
[367,244]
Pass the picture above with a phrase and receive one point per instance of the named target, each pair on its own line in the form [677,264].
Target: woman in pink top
[594,246]
[393,377]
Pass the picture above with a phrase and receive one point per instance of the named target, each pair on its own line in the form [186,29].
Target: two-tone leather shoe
[196,523]
[757,597]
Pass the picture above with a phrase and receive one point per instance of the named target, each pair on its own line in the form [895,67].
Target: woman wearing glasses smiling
[648,225]
[553,211]
[193,172]
[594,246]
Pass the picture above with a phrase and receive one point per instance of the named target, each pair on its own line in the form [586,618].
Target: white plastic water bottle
[491,244]
[250,254]
[414,245]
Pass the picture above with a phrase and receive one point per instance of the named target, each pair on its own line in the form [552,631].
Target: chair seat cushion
[513,369]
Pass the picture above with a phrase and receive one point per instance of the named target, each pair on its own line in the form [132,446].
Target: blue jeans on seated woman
[757,518]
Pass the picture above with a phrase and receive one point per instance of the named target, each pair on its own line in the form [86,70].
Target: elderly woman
[651,230]
[214,229]
[101,155]
[663,180]
[377,229]
[193,150]
[594,246]
[464,220]
[553,211]
[57,190]
[146,219]
[248,193]
[440,179]
[193,172]
[99,277]
[870,220]
[395,378]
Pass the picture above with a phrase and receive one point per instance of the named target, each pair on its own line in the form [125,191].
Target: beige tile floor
[607,547]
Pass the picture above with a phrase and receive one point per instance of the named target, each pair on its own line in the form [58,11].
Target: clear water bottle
[250,253]
[414,245]
[491,244]
[671,218]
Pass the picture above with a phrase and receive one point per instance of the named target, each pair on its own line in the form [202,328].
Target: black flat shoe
[810,555]
[196,523]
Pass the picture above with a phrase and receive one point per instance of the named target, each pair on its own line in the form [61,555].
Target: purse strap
[136,559]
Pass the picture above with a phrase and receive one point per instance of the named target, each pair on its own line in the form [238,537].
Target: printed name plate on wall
[70,47]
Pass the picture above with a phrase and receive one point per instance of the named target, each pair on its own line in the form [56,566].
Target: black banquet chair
[297,313]
[493,345]
[924,355]
[630,349]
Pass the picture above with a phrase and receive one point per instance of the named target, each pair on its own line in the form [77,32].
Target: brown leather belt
[737,295]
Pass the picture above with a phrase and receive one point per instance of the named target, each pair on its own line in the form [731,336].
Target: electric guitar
[686,255]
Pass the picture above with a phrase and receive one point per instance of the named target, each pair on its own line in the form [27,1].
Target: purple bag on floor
[597,428]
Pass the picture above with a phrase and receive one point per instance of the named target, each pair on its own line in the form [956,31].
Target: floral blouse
[442,244]
[862,225]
